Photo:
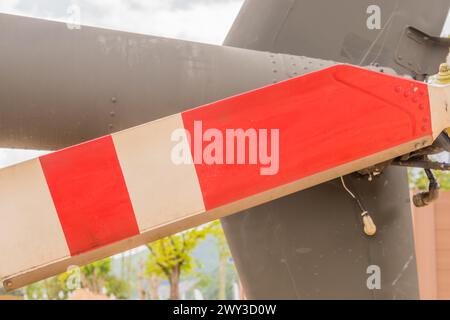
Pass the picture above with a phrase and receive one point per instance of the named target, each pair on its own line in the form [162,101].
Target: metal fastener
[8,284]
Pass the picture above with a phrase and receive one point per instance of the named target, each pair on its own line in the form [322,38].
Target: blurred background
[196,264]
[193,265]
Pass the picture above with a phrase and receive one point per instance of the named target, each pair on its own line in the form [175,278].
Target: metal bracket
[416,49]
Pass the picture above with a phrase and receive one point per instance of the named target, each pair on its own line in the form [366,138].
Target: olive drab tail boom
[102,197]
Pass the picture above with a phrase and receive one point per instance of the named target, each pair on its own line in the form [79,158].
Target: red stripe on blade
[325,119]
[90,195]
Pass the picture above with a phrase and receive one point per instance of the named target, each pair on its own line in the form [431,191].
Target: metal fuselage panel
[337,30]
[60,87]
[310,245]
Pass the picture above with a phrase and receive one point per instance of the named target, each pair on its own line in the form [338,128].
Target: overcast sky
[205,21]
[196,20]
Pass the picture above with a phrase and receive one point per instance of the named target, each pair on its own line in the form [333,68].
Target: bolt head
[8,284]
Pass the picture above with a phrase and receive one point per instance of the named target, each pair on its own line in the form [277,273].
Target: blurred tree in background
[138,274]
[220,283]
[96,277]
[419,181]
[171,257]
[224,257]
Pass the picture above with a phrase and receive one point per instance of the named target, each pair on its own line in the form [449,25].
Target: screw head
[444,74]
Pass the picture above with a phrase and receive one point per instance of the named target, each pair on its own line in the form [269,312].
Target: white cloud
[11,157]
[196,20]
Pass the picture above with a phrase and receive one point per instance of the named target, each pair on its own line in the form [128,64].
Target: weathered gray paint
[310,244]
[335,30]
[59,87]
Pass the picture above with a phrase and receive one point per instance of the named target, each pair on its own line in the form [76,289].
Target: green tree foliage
[117,287]
[224,256]
[97,277]
[419,181]
[171,257]
[94,275]
[52,289]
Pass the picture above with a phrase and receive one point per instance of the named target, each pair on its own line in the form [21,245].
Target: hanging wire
[369,226]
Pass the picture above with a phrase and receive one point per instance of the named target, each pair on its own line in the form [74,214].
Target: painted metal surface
[325,119]
[60,87]
[90,195]
[338,30]
[98,189]
[325,255]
